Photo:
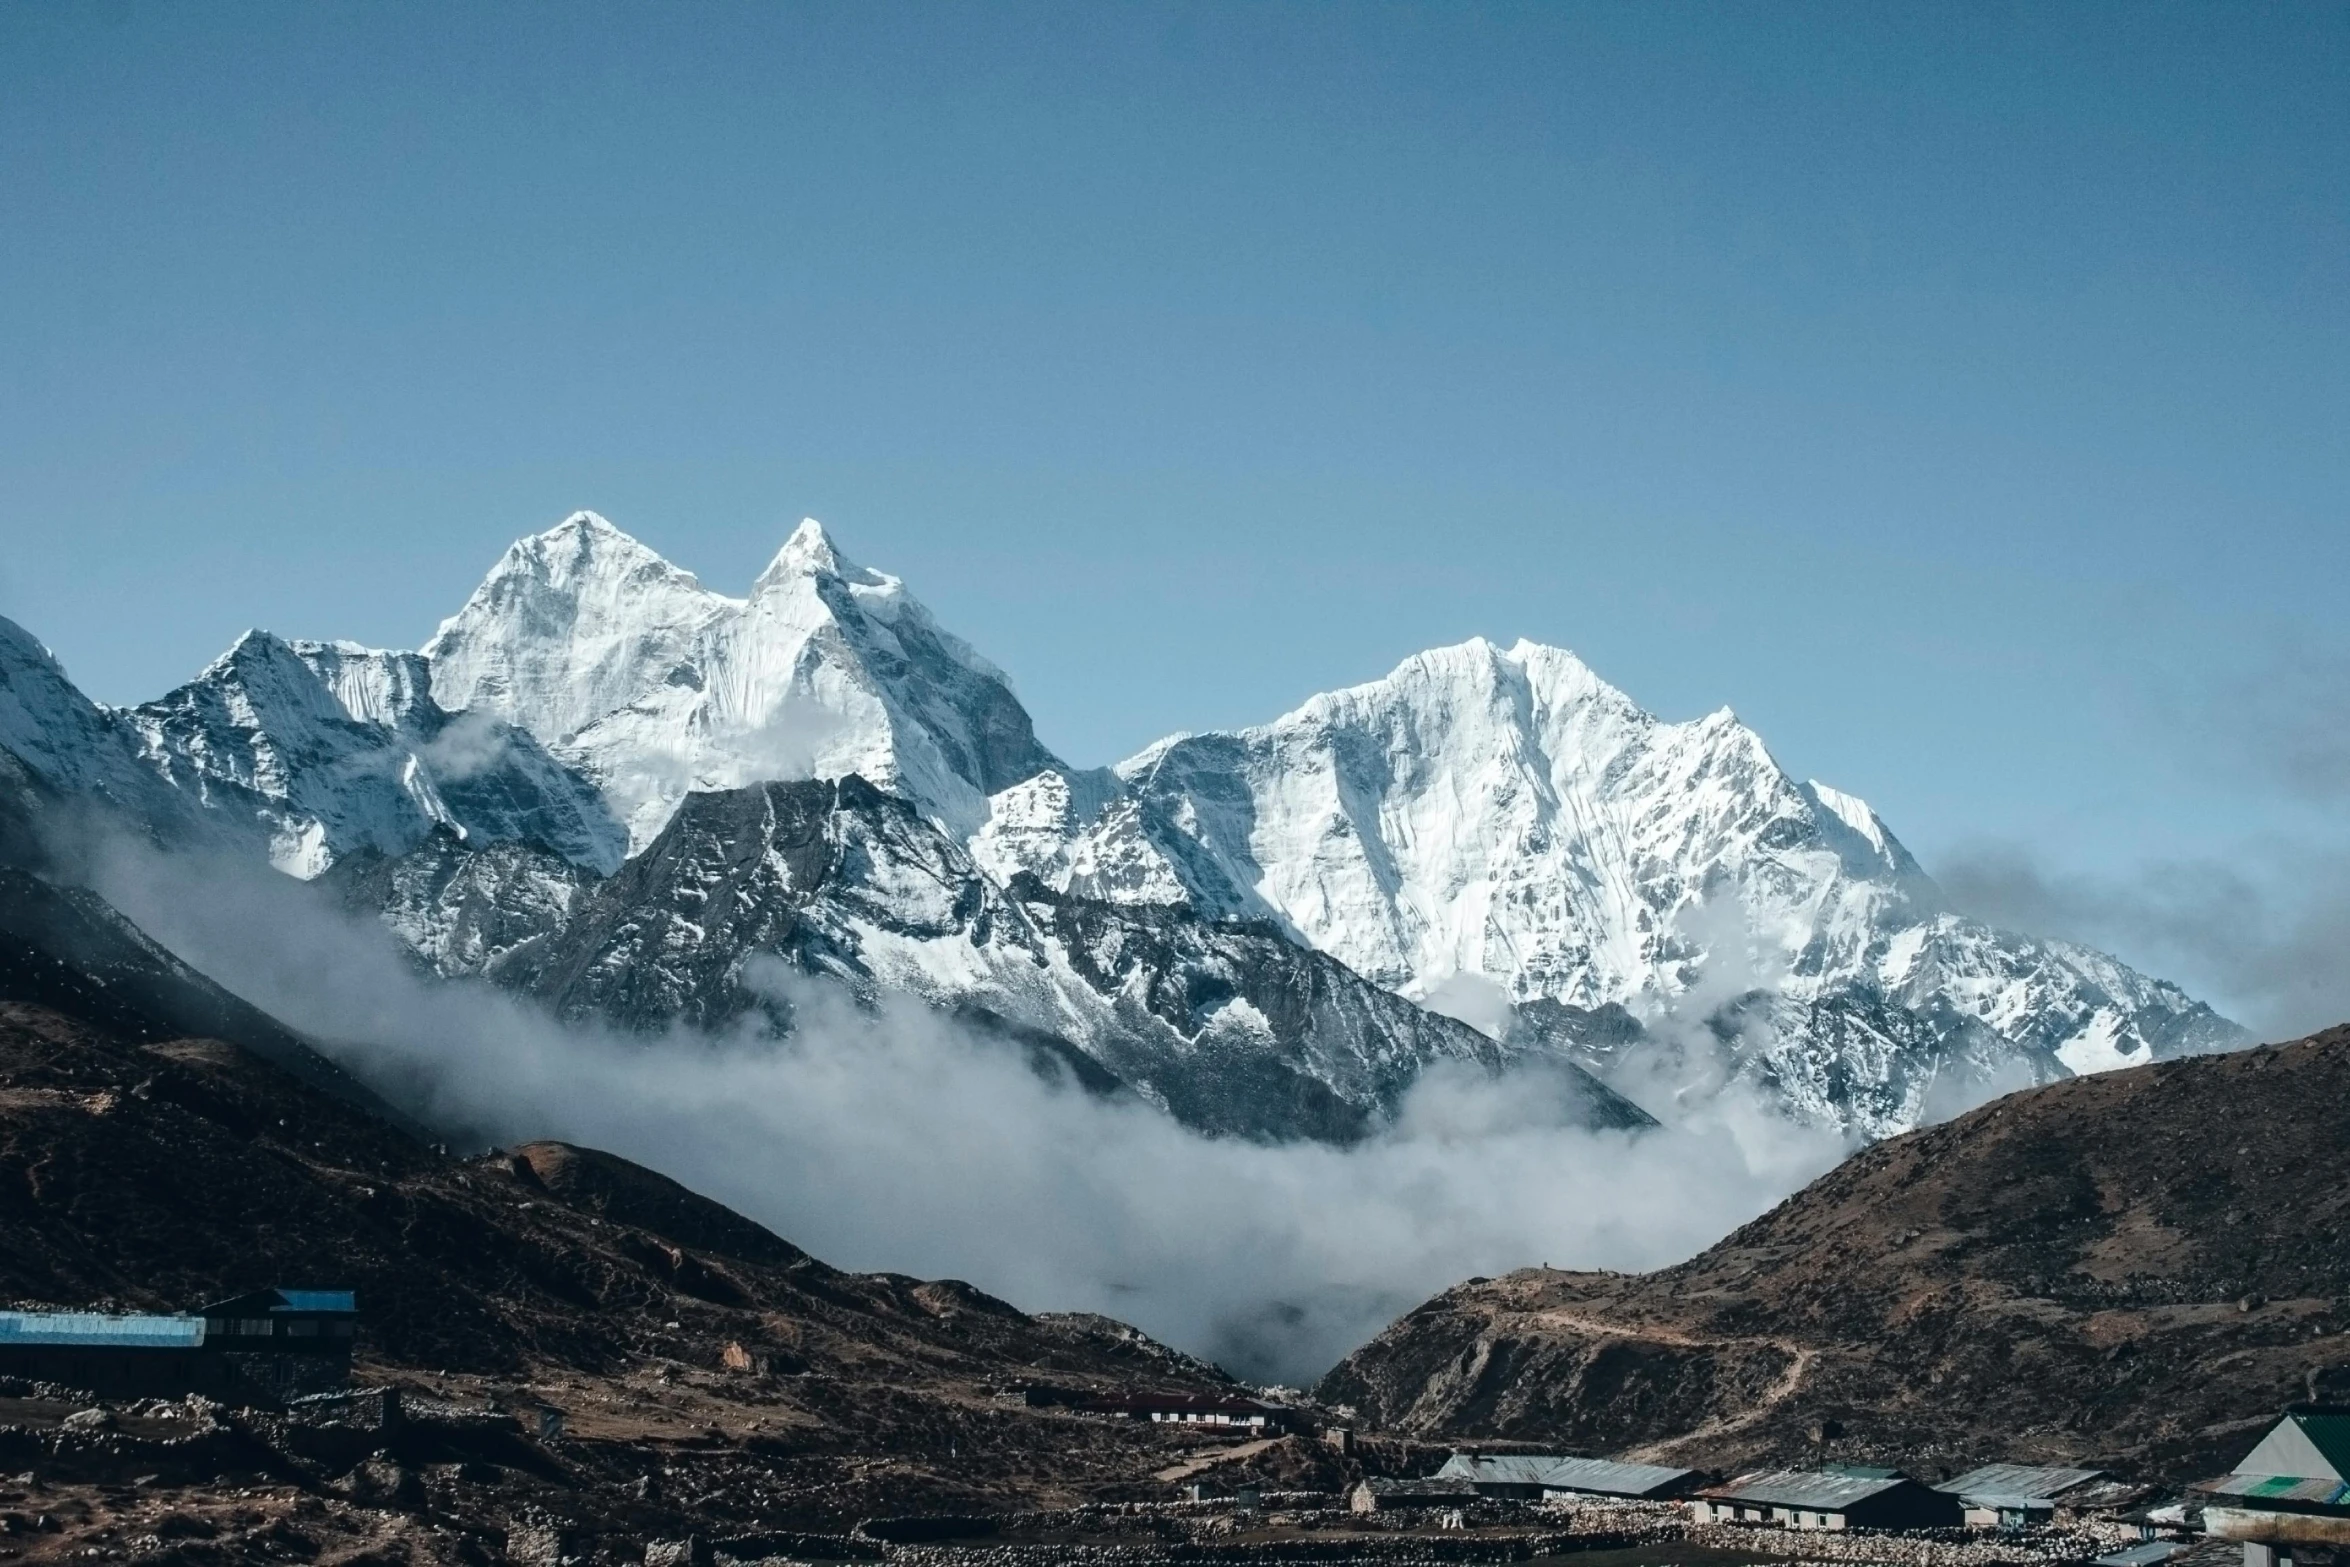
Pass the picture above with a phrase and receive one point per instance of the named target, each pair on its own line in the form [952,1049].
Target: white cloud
[891,1139]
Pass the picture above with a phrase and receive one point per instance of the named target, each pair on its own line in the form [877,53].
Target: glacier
[1531,866]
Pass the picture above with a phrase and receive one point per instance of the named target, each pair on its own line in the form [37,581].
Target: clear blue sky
[1961,393]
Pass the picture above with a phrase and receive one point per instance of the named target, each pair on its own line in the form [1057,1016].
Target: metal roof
[2311,1442]
[256,1302]
[1606,1477]
[2014,1480]
[90,1328]
[1804,1488]
[1500,1468]
[2329,1432]
[2150,1554]
[2280,1488]
[1594,1476]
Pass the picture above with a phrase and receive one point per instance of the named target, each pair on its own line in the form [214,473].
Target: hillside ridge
[2132,1267]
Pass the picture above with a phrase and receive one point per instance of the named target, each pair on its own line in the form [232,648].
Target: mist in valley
[884,1137]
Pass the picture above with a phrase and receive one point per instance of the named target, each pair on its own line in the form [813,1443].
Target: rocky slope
[1229,1026]
[2135,1268]
[66,950]
[545,1257]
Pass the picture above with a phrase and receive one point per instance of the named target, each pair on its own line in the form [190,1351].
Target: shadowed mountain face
[161,1174]
[1228,1025]
[66,950]
[2134,1268]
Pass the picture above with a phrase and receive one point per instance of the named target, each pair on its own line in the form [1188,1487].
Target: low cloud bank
[2260,929]
[2263,935]
[891,1139]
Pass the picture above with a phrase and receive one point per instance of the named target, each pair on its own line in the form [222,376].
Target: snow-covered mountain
[1492,833]
[331,748]
[1490,828]
[59,748]
[655,686]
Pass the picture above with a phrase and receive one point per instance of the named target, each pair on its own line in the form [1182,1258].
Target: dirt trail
[1799,1363]
[1206,1461]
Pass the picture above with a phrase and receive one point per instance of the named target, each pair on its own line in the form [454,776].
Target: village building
[272,1345]
[2017,1496]
[2200,1552]
[2289,1500]
[1541,1476]
[1384,1495]
[1516,1476]
[1586,1477]
[1847,1497]
[1253,1416]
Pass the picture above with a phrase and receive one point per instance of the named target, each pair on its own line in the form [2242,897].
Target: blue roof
[257,1302]
[82,1327]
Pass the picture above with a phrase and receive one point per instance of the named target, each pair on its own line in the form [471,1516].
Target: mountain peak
[253,648]
[583,548]
[807,553]
[1528,652]
[628,668]
[586,524]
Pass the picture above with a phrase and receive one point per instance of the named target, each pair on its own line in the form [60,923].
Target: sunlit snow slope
[1499,833]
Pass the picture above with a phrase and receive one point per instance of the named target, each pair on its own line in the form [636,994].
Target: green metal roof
[2329,1433]
[2280,1488]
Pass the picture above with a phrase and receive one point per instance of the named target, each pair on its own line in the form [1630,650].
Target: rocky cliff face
[2131,1269]
[1231,1027]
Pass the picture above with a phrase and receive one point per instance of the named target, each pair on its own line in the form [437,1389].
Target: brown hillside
[711,1377]
[159,1175]
[2135,1268]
